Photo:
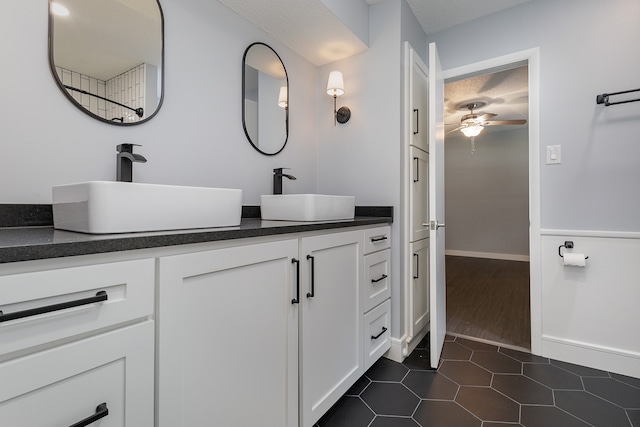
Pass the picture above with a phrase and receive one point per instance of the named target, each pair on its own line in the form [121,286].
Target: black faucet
[277,179]
[124,162]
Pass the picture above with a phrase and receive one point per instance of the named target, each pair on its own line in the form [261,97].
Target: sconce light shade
[472,130]
[282,97]
[335,88]
[335,85]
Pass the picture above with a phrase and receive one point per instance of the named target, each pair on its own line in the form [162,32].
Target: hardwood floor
[489,299]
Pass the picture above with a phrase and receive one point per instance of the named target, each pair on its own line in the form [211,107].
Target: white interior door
[438,324]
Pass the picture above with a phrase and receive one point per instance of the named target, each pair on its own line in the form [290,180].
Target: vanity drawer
[377,336]
[108,375]
[46,306]
[376,239]
[377,278]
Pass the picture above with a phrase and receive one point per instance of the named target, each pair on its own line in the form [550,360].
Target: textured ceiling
[310,29]
[505,92]
[438,15]
[307,27]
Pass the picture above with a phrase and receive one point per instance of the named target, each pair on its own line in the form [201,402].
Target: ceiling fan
[472,124]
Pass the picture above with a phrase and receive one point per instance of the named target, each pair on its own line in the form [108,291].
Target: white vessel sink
[306,207]
[101,207]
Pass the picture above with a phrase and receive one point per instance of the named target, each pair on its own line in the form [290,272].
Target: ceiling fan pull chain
[473,144]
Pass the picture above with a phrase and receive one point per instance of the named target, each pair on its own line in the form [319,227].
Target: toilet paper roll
[577,260]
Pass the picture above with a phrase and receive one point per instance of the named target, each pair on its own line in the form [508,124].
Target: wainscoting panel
[591,314]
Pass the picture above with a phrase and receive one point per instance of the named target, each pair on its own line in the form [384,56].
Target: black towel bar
[604,98]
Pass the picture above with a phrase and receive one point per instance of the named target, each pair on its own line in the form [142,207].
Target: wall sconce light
[335,88]
[282,97]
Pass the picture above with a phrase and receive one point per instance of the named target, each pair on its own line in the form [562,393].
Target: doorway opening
[487,205]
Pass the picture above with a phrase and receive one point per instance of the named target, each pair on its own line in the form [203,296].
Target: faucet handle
[126,147]
[279,170]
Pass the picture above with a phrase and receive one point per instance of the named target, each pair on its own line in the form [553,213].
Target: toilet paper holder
[568,244]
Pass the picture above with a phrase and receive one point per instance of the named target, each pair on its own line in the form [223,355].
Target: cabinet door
[67,384]
[420,287]
[419,102]
[331,319]
[419,199]
[228,337]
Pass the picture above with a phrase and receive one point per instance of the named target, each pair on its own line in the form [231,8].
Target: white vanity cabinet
[331,320]
[228,337]
[264,334]
[77,345]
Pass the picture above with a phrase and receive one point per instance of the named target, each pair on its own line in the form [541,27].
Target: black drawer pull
[313,280]
[378,239]
[416,178]
[375,337]
[384,276]
[417,275]
[101,412]
[296,300]
[417,131]
[100,296]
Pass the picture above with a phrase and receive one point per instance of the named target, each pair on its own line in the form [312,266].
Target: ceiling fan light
[472,130]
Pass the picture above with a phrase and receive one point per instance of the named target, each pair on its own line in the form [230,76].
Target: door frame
[532,58]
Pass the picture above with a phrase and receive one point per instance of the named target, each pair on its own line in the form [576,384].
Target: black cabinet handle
[313,278]
[101,412]
[378,239]
[100,296]
[375,337]
[296,300]
[417,175]
[415,132]
[384,276]
[417,275]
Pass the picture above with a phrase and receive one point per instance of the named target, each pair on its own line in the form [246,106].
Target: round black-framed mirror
[265,99]
[107,57]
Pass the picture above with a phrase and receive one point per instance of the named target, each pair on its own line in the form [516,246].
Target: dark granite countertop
[42,242]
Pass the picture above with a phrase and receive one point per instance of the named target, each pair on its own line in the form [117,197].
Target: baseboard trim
[488,255]
[402,347]
[609,359]
[395,351]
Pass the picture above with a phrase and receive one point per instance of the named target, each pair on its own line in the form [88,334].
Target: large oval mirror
[107,57]
[265,96]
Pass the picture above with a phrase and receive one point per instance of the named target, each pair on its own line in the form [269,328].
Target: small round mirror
[107,57]
[265,99]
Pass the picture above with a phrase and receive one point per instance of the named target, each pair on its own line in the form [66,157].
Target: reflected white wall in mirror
[107,57]
[265,99]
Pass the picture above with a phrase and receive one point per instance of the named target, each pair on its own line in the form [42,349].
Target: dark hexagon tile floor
[481,385]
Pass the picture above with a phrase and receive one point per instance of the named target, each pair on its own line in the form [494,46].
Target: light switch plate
[554,154]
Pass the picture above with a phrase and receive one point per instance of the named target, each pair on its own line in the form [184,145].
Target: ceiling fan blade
[485,116]
[453,130]
[505,122]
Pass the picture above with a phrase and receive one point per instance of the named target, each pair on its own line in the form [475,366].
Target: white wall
[487,194]
[363,156]
[586,48]
[195,139]
[591,313]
